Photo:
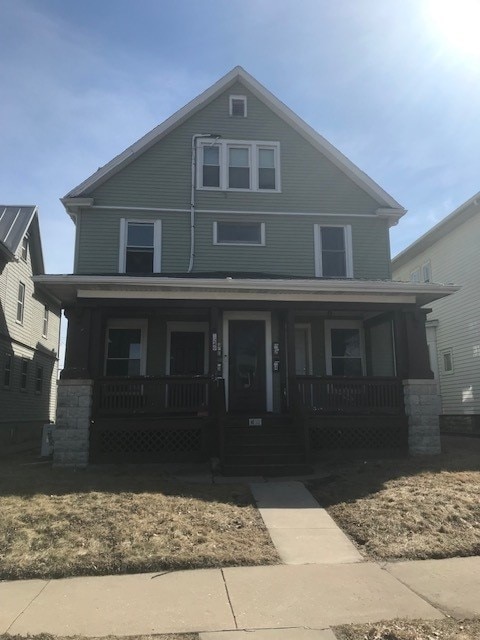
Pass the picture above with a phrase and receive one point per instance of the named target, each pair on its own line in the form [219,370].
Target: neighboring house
[232,297]
[29,332]
[449,252]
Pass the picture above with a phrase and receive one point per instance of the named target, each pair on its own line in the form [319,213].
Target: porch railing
[151,396]
[332,395]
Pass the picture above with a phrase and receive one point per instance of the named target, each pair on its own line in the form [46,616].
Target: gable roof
[15,222]
[461,214]
[239,74]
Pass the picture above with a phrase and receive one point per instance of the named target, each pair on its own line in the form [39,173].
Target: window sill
[238,190]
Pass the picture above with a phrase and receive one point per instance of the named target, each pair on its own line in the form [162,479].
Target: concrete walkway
[301,530]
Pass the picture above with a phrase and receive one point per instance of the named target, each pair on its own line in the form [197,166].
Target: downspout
[195,137]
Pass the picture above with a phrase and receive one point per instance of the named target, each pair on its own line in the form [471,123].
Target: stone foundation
[422,406]
[74,406]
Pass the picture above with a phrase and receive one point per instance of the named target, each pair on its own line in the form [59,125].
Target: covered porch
[256,377]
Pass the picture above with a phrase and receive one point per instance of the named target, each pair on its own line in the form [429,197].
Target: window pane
[7,371]
[211,155]
[211,176]
[117,368]
[266,178]
[333,238]
[233,232]
[122,341]
[239,178]
[238,157]
[266,158]
[345,343]
[334,264]
[140,235]
[139,261]
[238,107]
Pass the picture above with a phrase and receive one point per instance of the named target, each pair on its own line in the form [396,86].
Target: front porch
[255,376]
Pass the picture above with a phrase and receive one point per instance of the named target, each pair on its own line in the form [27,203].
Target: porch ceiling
[69,288]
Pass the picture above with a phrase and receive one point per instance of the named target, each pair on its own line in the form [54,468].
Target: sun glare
[457,22]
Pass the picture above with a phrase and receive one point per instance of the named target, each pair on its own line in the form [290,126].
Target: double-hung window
[45,322]
[39,380]
[238,165]
[140,250]
[21,302]
[7,370]
[24,375]
[333,251]
[344,348]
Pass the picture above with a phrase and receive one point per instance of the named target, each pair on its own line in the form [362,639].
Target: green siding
[289,248]
[160,177]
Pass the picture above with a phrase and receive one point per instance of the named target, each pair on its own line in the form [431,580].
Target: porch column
[293,396]
[74,399]
[422,402]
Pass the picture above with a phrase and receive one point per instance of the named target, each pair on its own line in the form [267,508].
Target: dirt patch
[412,630]
[48,636]
[407,508]
[58,523]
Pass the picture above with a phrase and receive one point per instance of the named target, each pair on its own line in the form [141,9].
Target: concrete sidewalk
[300,529]
[312,596]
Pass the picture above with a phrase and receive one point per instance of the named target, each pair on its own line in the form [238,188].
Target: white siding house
[450,253]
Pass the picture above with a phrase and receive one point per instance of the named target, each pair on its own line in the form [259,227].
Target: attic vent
[238,106]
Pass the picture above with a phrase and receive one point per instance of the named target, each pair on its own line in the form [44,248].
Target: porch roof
[70,288]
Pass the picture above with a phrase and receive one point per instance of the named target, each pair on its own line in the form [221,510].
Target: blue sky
[383,80]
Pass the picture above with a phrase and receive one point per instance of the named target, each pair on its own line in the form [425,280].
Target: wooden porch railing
[338,395]
[155,396]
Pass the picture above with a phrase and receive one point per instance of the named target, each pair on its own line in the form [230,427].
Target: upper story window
[45,322]
[239,233]
[24,253]
[21,302]
[447,360]
[427,272]
[140,246]
[333,251]
[238,106]
[415,275]
[239,165]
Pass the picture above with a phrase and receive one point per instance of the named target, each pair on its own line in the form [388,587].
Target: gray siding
[289,246]
[456,259]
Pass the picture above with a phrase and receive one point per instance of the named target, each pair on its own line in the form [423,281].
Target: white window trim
[342,324]
[317,240]
[194,327]
[443,352]
[230,105]
[249,315]
[253,146]
[427,265]
[26,243]
[129,323]
[157,243]
[239,244]
[308,328]
[415,275]
[21,284]
[46,321]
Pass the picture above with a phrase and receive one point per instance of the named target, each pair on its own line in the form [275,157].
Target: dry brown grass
[412,630]
[414,508]
[58,523]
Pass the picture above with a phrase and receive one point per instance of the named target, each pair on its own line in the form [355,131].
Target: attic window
[25,248]
[238,106]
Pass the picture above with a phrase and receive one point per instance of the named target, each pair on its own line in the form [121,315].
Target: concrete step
[266,469]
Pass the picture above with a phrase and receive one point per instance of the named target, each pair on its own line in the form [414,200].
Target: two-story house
[449,253]
[232,297]
[29,332]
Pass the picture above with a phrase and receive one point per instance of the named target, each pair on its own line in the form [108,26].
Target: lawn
[406,508]
[412,630]
[57,523]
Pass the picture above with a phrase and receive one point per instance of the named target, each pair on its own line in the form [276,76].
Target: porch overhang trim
[70,287]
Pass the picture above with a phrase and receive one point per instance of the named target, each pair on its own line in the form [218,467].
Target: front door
[247,384]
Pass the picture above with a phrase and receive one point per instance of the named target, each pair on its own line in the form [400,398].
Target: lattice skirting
[140,444]
[348,433]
